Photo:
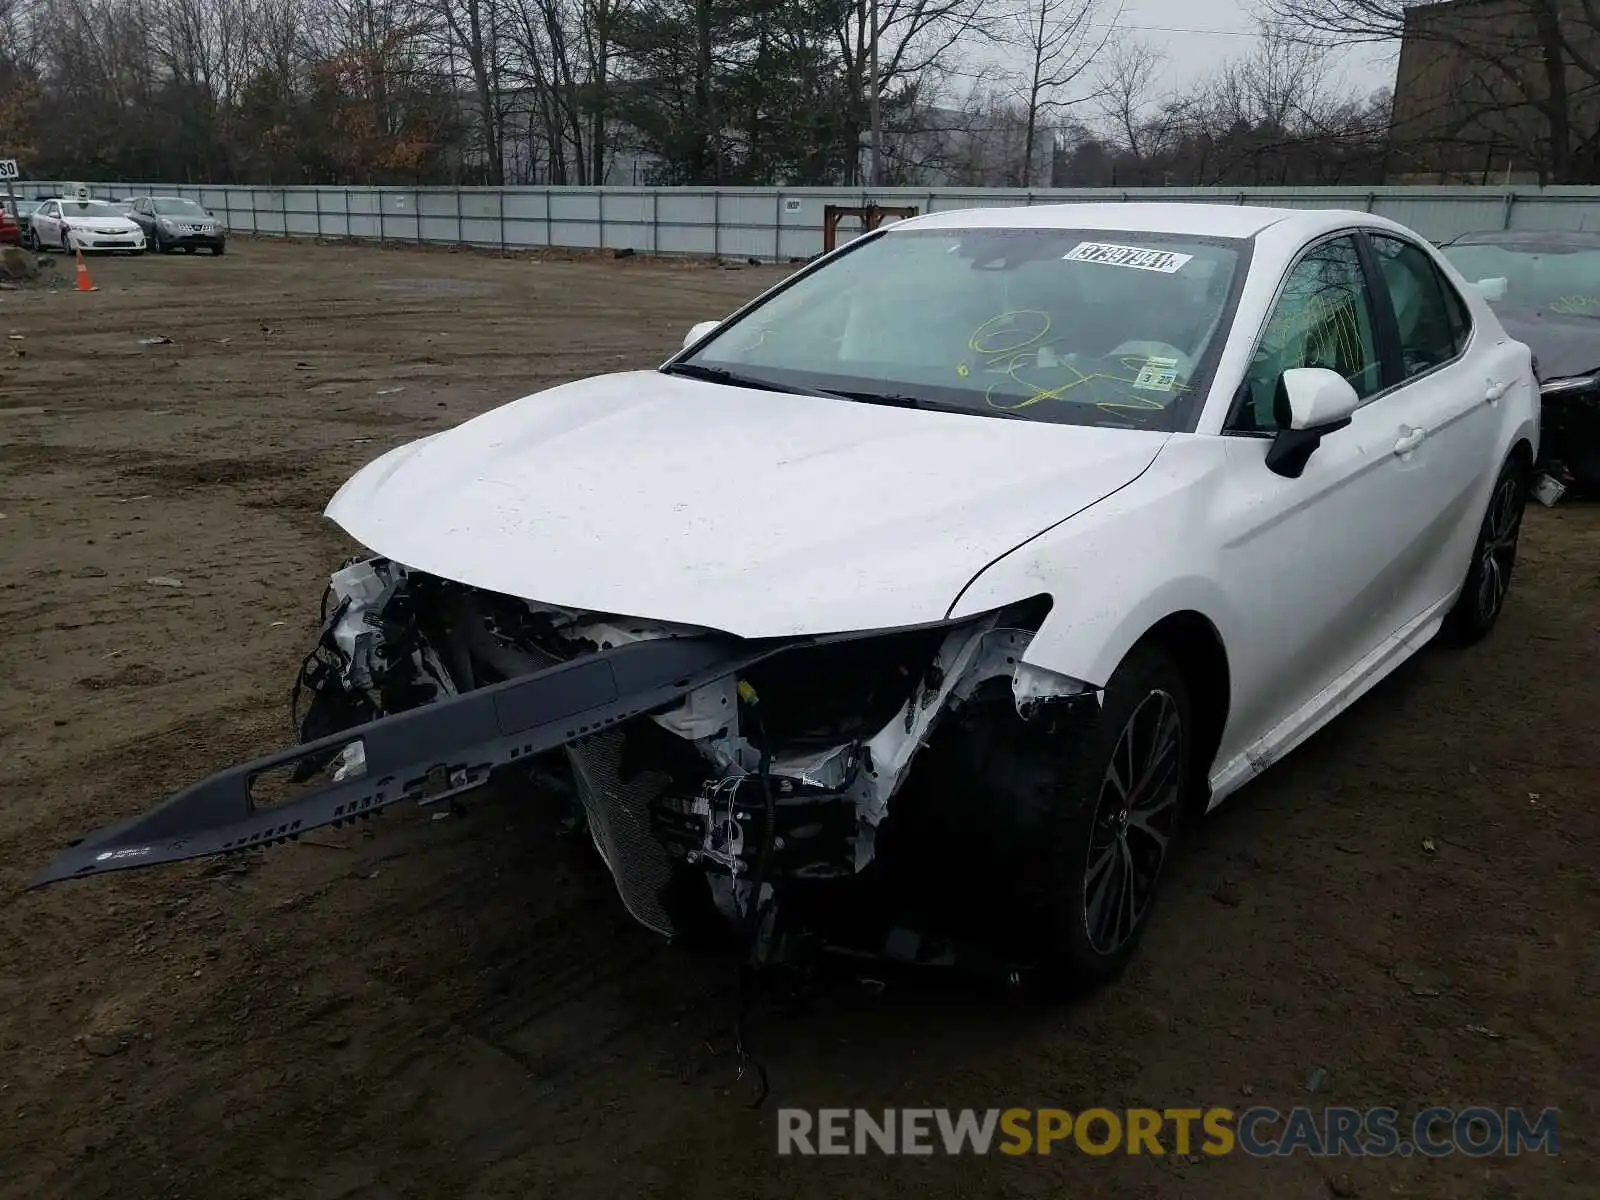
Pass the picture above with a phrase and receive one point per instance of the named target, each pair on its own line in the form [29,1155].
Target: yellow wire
[984,331]
[980,344]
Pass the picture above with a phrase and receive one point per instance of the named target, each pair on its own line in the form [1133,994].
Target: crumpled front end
[777,778]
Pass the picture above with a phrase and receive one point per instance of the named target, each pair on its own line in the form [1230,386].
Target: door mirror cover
[697,331]
[1311,402]
[1314,398]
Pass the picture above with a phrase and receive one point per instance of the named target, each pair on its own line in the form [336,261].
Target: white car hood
[757,513]
[103,224]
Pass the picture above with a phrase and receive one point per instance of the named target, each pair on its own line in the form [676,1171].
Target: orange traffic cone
[85,284]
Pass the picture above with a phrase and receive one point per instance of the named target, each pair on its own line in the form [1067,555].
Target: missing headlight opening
[801,795]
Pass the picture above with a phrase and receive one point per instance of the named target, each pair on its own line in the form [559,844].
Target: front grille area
[619,818]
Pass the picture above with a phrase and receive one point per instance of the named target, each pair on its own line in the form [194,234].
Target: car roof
[1528,237]
[1207,220]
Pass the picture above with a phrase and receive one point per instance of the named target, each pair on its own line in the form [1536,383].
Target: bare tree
[1490,76]
[1060,43]
[908,44]
[1129,86]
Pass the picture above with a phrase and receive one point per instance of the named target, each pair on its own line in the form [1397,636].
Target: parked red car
[10,228]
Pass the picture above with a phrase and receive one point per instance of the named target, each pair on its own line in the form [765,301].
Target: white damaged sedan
[916,606]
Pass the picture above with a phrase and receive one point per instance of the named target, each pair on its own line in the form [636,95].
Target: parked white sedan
[936,587]
[86,225]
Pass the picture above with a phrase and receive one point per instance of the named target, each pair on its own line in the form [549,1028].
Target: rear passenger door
[47,224]
[1446,385]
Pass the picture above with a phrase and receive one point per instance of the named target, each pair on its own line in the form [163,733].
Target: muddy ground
[462,1008]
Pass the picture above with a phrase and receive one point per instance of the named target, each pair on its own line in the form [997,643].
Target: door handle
[1409,441]
[1496,390]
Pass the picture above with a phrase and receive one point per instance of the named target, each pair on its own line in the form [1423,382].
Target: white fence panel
[775,223]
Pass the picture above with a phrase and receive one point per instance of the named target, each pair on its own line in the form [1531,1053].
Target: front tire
[1111,823]
[1494,554]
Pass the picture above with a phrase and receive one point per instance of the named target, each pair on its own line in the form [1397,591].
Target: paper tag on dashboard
[1157,375]
[1137,257]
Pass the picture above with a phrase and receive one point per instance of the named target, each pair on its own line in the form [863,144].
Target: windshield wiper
[901,400]
[691,370]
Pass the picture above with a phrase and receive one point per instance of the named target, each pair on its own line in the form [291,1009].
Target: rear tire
[1108,824]
[1494,554]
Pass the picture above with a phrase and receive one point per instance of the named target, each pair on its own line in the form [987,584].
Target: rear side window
[1431,318]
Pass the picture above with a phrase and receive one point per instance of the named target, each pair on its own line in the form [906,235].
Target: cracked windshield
[1064,326]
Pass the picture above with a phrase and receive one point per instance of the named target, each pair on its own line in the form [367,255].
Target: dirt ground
[461,1007]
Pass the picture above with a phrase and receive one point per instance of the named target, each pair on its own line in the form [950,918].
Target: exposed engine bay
[840,776]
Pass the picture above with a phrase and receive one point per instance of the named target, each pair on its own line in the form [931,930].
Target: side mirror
[1493,289]
[698,331]
[1311,402]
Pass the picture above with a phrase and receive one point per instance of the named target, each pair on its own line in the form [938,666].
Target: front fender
[1118,568]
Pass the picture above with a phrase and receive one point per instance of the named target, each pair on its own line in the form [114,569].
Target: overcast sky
[1197,36]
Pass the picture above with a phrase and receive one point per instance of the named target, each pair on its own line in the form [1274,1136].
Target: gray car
[178,223]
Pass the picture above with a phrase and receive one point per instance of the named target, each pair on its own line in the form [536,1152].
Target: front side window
[1323,318]
[1064,326]
[1428,335]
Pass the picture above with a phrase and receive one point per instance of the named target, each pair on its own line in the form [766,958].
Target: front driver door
[1315,565]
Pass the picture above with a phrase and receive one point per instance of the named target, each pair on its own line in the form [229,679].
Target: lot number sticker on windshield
[1139,258]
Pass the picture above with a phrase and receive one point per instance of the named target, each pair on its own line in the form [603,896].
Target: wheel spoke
[1100,864]
[1163,759]
[1128,769]
[1127,911]
[1097,910]
[1115,780]
[1140,819]
[1490,590]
